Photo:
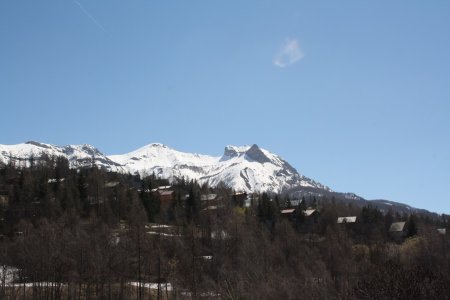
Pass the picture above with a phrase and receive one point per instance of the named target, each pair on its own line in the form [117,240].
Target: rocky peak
[256,154]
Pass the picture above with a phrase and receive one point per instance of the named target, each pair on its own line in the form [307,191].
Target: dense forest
[90,234]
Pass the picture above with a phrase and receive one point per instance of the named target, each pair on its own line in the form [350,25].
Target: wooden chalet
[311,216]
[166,197]
[241,199]
[287,211]
[310,212]
[210,202]
[397,230]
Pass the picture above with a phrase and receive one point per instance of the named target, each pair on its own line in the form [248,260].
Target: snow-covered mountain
[247,168]
[78,155]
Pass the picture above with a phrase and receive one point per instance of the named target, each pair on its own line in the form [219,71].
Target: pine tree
[411,226]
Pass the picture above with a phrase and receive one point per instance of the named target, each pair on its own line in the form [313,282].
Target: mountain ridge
[247,168]
[242,168]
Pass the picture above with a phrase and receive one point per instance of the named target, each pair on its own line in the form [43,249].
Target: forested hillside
[90,234]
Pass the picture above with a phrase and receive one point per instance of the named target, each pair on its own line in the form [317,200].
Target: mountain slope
[78,155]
[247,168]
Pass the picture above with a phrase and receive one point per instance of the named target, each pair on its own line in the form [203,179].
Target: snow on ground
[203,294]
[160,226]
[33,284]
[153,286]
[162,233]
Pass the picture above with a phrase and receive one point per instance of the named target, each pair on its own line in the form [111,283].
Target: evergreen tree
[411,226]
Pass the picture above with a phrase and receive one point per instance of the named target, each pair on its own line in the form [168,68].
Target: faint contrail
[99,25]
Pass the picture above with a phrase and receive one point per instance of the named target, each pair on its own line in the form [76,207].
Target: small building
[287,212]
[397,230]
[241,199]
[442,231]
[310,212]
[208,197]
[166,202]
[311,216]
[165,196]
[308,220]
[346,220]
[160,188]
[210,201]
[397,227]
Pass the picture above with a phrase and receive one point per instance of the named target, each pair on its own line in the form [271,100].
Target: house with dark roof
[242,199]
[166,197]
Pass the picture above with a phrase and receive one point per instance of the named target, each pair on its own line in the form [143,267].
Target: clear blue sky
[355,94]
